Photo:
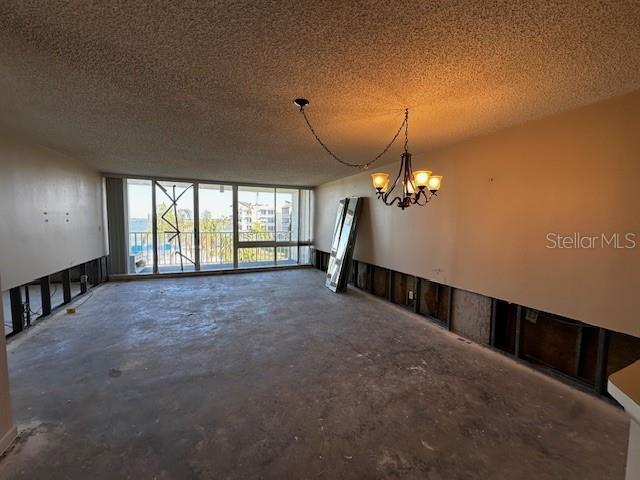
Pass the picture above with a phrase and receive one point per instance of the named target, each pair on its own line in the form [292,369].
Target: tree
[216,239]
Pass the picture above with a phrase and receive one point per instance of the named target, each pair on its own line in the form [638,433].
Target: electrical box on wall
[531,315]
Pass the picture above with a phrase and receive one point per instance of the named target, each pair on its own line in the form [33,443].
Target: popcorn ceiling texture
[203,90]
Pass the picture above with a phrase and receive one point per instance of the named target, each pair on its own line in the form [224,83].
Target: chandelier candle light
[409,188]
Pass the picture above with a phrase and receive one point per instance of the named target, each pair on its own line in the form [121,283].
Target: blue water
[139,225]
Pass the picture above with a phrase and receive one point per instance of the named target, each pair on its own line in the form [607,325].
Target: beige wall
[502,194]
[34,180]
[7,428]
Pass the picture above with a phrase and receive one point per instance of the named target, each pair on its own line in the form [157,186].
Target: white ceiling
[196,90]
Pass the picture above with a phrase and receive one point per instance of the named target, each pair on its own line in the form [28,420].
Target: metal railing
[261,236]
[216,248]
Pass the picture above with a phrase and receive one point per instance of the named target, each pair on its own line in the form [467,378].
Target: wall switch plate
[410,294]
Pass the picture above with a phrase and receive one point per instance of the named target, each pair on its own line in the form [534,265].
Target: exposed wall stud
[372,272]
[417,294]
[17,310]
[83,278]
[355,272]
[602,361]
[578,357]
[450,308]
[66,286]
[27,302]
[494,324]
[518,348]
[45,292]
[105,269]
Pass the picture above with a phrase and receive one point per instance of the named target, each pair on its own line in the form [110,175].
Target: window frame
[298,243]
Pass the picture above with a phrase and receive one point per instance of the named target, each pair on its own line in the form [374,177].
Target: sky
[215,198]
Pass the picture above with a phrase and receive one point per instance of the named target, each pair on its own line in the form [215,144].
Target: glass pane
[255,257]
[256,214]
[216,226]
[287,255]
[286,215]
[304,255]
[304,229]
[139,218]
[176,242]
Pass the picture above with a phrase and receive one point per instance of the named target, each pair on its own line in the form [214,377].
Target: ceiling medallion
[411,187]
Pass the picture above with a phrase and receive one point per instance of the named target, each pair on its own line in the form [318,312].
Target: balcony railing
[216,248]
[260,236]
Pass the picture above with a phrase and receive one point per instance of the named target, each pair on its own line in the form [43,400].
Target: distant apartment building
[251,214]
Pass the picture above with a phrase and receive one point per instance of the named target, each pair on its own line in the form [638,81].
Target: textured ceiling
[198,90]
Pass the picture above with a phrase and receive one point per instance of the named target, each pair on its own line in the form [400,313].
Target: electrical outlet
[531,315]
[84,278]
[410,294]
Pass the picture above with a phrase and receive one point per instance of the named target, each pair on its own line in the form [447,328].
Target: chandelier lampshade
[434,183]
[380,180]
[421,177]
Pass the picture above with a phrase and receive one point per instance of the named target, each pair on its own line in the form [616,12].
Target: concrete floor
[271,376]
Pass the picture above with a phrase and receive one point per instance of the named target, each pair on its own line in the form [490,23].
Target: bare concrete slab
[271,376]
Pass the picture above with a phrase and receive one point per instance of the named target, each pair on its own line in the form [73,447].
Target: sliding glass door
[215,215]
[175,226]
[178,226]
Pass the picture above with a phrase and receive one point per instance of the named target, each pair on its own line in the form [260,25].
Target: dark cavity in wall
[403,289]
[435,301]
[381,282]
[41,297]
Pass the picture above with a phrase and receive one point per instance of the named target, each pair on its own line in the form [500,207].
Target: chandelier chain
[405,124]
[406,130]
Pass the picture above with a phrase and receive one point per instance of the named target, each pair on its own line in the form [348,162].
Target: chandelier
[409,187]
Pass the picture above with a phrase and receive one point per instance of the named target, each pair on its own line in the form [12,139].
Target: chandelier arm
[384,197]
[348,164]
[429,196]
[395,199]
[419,196]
